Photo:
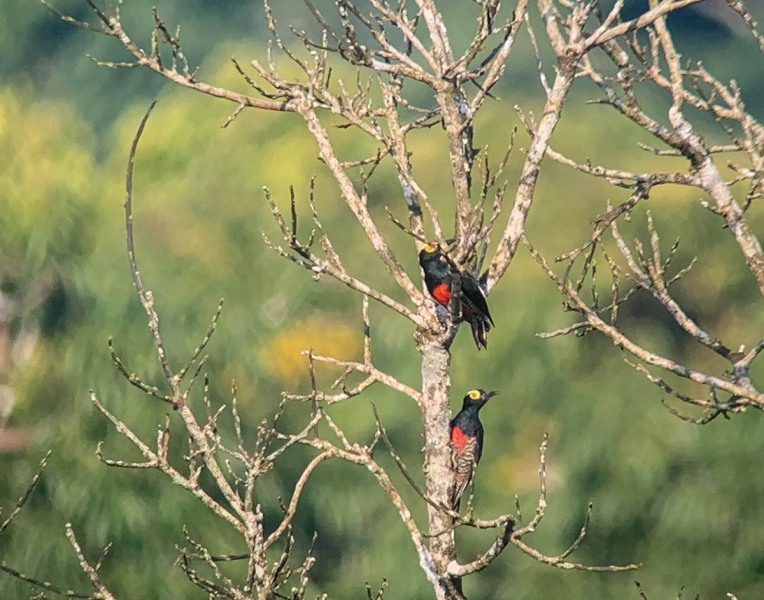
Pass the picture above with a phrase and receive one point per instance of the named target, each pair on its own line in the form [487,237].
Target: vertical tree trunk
[436,381]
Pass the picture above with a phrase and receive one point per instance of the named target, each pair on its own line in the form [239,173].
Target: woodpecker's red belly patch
[459,439]
[442,293]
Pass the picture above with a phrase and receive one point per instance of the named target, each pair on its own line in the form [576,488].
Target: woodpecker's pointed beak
[491,394]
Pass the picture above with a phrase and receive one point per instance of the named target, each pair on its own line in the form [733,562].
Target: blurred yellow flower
[325,335]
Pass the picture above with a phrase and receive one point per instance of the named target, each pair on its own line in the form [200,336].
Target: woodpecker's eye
[474,394]
[429,248]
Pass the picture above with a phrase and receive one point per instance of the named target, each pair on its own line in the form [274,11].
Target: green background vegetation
[680,499]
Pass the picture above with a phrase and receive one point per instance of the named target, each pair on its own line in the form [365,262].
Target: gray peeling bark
[714,185]
[436,381]
[457,148]
[526,188]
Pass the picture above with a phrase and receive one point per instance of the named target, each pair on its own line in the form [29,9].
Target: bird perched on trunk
[439,276]
[467,440]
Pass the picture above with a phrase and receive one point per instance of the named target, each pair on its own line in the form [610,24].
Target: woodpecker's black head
[433,262]
[477,398]
[429,251]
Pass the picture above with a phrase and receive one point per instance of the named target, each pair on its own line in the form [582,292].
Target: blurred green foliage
[680,499]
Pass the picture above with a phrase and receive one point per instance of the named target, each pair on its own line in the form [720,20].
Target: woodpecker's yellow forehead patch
[474,394]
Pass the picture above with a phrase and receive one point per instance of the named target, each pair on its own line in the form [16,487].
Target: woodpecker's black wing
[475,309]
[475,295]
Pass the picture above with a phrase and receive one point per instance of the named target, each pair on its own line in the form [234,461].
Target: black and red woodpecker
[467,440]
[439,275]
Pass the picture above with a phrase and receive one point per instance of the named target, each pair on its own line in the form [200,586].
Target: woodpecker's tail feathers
[480,327]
